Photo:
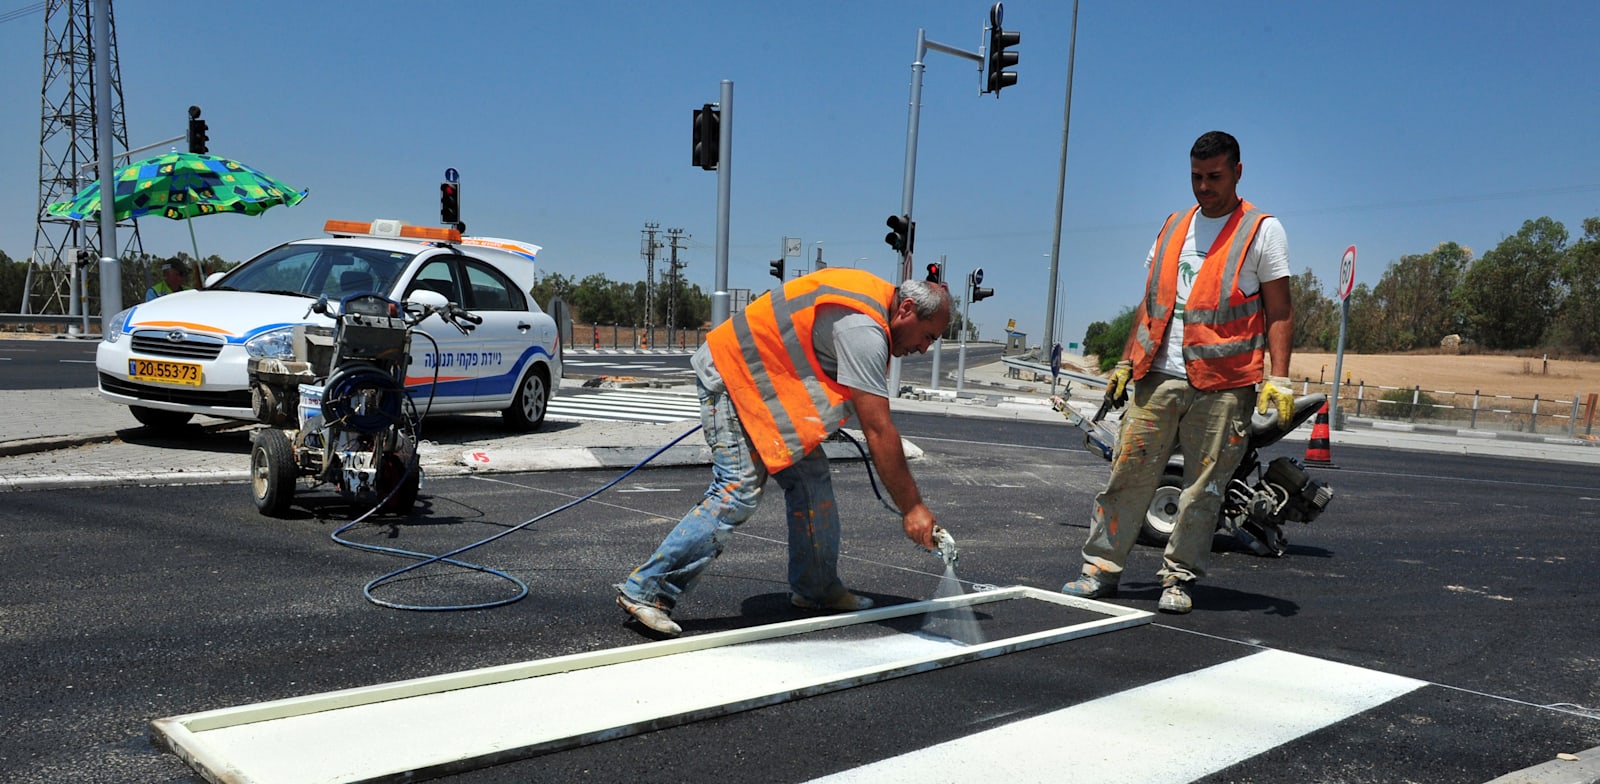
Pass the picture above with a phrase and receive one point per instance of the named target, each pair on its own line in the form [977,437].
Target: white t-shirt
[1266,259]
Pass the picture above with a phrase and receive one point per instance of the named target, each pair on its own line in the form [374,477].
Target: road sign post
[1347,282]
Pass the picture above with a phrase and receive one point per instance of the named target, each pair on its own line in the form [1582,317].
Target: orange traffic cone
[1317,449]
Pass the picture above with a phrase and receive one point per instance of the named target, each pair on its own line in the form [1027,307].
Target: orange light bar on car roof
[391,228]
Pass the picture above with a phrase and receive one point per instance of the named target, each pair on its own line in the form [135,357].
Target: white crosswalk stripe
[1269,698]
[625,405]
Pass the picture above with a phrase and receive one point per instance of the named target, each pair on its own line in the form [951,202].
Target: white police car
[187,353]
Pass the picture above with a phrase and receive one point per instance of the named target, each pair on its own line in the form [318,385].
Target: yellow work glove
[1117,383]
[1277,392]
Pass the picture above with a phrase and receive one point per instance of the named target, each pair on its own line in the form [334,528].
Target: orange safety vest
[1224,340]
[786,404]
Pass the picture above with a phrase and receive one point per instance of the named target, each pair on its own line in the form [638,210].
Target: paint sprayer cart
[338,412]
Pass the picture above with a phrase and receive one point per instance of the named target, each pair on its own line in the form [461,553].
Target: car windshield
[312,270]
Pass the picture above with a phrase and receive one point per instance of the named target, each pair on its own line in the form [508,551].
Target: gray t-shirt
[851,348]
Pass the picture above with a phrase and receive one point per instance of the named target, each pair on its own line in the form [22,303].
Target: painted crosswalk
[1189,726]
[625,405]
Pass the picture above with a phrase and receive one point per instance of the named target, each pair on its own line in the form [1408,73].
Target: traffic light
[197,132]
[707,137]
[449,202]
[935,273]
[999,58]
[777,268]
[977,293]
[902,234]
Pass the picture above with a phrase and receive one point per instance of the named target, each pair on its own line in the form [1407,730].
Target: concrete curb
[1583,768]
[1440,430]
[442,461]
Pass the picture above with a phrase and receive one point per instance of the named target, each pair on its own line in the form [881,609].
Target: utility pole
[675,238]
[647,250]
[1048,343]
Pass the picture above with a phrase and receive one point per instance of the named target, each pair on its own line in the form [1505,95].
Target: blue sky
[1390,126]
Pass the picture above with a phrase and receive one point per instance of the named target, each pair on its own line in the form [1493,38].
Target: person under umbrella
[174,275]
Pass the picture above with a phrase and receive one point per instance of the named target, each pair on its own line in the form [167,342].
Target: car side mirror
[211,280]
[427,298]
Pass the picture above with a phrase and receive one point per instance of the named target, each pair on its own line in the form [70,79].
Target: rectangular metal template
[426,727]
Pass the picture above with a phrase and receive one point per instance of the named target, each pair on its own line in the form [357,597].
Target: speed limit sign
[1347,273]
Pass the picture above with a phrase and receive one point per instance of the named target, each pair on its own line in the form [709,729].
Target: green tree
[1106,341]
[1363,332]
[550,287]
[1316,318]
[1415,298]
[1576,324]
[12,275]
[1509,296]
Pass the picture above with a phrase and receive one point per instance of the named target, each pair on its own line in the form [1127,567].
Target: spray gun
[946,547]
[1096,436]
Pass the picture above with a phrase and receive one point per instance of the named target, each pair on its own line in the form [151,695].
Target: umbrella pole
[199,269]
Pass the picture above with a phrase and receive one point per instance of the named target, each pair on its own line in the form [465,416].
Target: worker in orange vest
[775,381]
[1216,300]
[174,277]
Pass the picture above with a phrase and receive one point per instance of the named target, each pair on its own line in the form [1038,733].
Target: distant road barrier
[1473,409]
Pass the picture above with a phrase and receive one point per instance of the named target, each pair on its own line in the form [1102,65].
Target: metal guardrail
[45,318]
[1095,382]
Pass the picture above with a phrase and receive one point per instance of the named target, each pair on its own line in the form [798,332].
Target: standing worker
[1216,295]
[173,278]
[775,381]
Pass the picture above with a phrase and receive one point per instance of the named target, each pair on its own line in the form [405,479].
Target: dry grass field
[1490,374]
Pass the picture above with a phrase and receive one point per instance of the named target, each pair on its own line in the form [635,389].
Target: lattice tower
[68,124]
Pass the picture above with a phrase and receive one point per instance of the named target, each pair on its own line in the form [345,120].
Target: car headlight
[277,344]
[115,326]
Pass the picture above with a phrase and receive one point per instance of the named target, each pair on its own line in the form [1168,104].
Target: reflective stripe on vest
[786,404]
[1224,337]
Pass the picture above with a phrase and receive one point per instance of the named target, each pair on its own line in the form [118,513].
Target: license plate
[186,373]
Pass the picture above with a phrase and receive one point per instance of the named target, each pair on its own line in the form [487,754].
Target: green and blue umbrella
[181,186]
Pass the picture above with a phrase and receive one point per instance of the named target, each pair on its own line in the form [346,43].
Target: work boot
[654,618]
[843,601]
[1094,583]
[1174,599]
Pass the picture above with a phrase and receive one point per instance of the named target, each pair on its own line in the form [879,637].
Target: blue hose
[425,559]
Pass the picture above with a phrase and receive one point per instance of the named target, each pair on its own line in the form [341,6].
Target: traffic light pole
[966,326]
[908,189]
[720,295]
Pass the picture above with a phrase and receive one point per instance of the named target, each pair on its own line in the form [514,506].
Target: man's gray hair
[928,298]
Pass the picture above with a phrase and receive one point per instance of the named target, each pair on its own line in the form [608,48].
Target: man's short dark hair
[174,264]
[1214,143]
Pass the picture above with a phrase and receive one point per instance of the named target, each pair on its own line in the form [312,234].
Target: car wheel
[533,397]
[158,419]
[272,472]
[1162,514]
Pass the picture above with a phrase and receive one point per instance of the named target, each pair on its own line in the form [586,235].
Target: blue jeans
[737,479]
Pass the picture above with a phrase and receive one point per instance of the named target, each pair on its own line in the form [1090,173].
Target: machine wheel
[160,419]
[406,497]
[533,397]
[272,472]
[1162,515]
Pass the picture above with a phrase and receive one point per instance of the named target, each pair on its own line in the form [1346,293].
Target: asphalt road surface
[1473,576]
[47,364]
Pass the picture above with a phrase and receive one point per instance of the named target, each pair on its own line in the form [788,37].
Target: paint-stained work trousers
[737,478]
[1165,412]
